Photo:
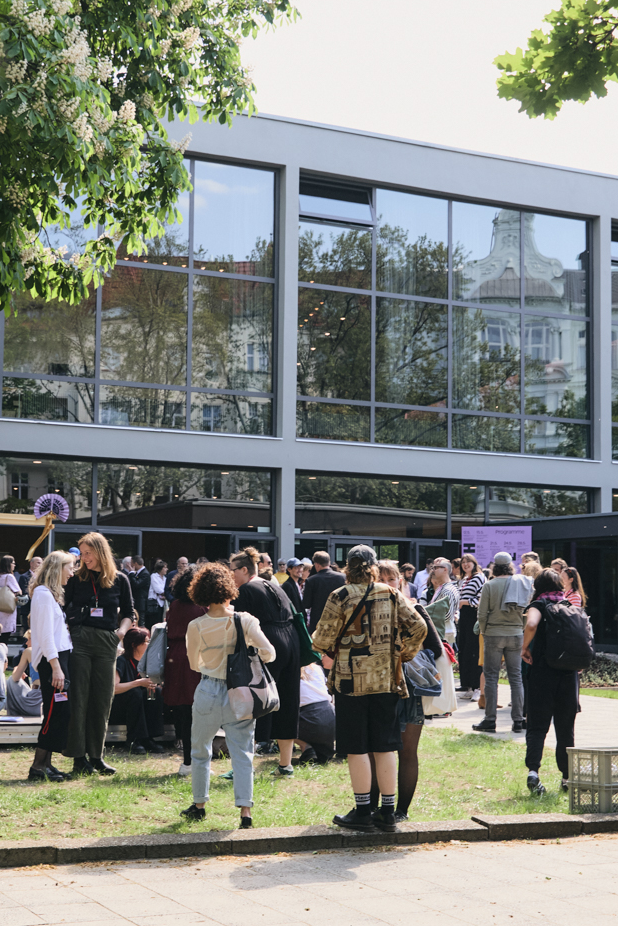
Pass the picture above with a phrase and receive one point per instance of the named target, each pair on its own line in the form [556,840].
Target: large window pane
[467,507]
[614,325]
[323,421]
[412,248]
[232,334]
[334,345]
[493,435]
[337,255]
[411,352]
[231,414]
[234,219]
[144,326]
[50,337]
[410,427]
[486,360]
[172,248]
[556,263]
[556,367]
[557,438]
[339,202]
[486,248]
[183,497]
[510,503]
[47,400]
[23,480]
[142,408]
[358,505]
[614,443]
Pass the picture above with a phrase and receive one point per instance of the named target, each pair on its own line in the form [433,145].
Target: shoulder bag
[8,601]
[250,686]
[152,663]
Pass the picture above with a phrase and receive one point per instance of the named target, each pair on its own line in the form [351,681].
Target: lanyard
[94,589]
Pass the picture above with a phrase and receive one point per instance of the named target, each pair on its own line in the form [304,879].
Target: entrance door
[402,551]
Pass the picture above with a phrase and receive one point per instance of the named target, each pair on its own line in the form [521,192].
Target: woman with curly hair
[210,640]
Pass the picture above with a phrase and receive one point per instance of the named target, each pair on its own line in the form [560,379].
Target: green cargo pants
[92,669]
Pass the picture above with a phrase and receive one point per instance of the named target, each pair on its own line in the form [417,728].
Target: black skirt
[285,670]
[54,731]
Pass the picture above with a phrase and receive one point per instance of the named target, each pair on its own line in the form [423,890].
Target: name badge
[96,612]
[61,696]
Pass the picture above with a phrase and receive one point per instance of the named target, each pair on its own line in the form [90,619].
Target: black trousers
[143,718]
[285,670]
[552,693]
[54,731]
[468,643]
[317,727]
[183,718]
[153,617]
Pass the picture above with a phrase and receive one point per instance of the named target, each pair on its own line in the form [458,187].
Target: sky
[423,71]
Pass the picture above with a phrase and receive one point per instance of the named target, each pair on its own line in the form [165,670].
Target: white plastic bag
[446,702]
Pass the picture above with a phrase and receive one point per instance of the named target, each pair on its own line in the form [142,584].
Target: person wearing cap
[291,586]
[281,575]
[502,624]
[368,629]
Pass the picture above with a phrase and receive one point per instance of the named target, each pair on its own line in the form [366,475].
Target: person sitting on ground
[316,726]
[21,699]
[210,640]
[319,586]
[137,701]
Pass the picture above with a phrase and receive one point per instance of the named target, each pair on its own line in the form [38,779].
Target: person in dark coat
[181,564]
[291,585]
[180,680]
[319,586]
[140,586]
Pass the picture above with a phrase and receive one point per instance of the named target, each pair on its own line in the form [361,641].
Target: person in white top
[210,640]
[8,619]
[316,725]
[156,594]
[51,646]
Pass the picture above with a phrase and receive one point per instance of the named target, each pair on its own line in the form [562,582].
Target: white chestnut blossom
[16,71]
[189,37]
[183,144]
[126,113]
[38,23]
[82,128]
[105,69]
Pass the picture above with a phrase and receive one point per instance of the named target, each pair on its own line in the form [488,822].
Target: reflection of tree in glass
[486,373]
[411,352]
[258,263]
[322,421]
[72,477]
[540,503]
[410,426]
[144,326]
[51,337]
[47,400]
[334,338]
[380,493]
[417,268]
[346,263]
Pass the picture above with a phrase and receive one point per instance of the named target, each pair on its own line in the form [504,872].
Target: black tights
[183,716]
[407,772]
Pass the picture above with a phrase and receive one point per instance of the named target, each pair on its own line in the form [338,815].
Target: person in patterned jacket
[368,629]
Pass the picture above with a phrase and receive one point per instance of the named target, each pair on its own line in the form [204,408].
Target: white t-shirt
[313,688]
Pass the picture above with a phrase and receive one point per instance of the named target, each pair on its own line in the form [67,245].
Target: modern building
[349,337]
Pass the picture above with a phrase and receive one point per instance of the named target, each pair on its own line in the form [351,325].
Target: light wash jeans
[211,710]
[495,648]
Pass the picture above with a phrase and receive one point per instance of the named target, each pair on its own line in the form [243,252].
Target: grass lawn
[460,775]
[600,692]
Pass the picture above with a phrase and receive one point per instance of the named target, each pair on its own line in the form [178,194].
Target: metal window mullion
[486,516]
[449,332]
[274,323]
[522,335]
[95,486]
[448,510]
[190,300]
[372,393]
[97,354]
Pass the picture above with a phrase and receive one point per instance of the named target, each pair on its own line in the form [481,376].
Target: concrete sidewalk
[596,725]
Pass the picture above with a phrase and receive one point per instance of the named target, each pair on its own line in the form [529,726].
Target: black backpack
[568,635]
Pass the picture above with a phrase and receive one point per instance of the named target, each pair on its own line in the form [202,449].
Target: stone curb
[299,839]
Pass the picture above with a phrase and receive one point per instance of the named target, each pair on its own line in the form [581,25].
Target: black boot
[81,766]
[102,767]
[485,726]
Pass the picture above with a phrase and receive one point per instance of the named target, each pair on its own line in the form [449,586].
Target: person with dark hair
[573,588]
[180,680]
[422,578]
[502,625]
[265,567]
[8,619]
[99,610]
[552,693]
[368,629]
[407,571]
[441,587]
[23,611]
[182,564]
[135,699]
[468,641]
[271,606]
[291,586]
[155,605]
[140,586]
[319,586]
[210,640]
[558,565]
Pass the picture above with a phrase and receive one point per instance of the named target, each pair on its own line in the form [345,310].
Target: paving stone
[184,844]
[599,822]
[26,852]
[445,830]
[530,825]
[286,839]
[108,848]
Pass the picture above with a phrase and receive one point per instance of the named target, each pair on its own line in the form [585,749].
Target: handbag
[251,689]
[8,601]
[446,702]
[152,663]
[307,652]
[152,606]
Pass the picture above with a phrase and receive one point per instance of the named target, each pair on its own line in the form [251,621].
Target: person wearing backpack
[557,642]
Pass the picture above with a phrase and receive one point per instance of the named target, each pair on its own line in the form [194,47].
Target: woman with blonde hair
[99,609]
[51,648]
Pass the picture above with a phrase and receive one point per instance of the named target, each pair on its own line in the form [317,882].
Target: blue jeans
[495,648]
[211,710]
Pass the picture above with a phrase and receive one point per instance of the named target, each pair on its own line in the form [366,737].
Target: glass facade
[438,335]
[178,338]
[615,340]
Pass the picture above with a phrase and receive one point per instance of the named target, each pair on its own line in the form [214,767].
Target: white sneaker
[476,694]
[184,771]
[467,695]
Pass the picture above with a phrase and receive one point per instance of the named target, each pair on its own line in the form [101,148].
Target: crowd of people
[383,644]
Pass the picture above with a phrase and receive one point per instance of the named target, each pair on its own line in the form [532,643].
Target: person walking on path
[51,648]
[368,629]
[502,624]
[319,587]
[99,610]
[573,588]
[210,640]
[552,693]
[468,641]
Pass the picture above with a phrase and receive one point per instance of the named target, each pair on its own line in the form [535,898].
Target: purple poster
[485,542]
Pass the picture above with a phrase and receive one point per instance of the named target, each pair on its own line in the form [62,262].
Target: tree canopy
[571,59]
[84,88]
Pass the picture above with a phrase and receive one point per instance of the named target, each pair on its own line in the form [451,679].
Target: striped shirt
[470,589]
[573,597]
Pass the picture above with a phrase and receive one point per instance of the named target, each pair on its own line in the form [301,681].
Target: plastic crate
[593,780]
[592,798]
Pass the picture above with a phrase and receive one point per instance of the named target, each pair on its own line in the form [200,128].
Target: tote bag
[446,702]
[250,687]
[8,602]
[152,663]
